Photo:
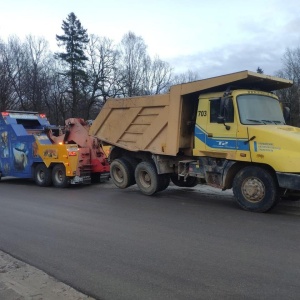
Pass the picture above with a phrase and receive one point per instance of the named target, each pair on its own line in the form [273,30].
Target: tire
[255,189]
[59,177]
[132,165]
[121,173]
[147,178]
[190,181]
[42,175]
[164,181]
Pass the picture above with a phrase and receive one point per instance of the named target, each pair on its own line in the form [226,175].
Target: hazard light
[43,116]
[5,114]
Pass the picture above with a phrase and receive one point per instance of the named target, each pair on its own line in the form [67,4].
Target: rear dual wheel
[59,176]
[147,179]
[122,173]
[42,175]
[127,171]
[131,163]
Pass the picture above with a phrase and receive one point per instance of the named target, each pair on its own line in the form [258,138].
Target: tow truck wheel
[147,178]
[121,173]
[42,175]
[59,177]
[255,189]
[189,182]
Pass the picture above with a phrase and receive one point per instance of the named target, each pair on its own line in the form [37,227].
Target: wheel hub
[119,175]
[253,189]
[145,179]
[41,175]
[59,176]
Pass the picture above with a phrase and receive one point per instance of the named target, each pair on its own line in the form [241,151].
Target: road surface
[181,244]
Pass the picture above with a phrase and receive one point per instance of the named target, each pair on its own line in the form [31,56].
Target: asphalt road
[181,244]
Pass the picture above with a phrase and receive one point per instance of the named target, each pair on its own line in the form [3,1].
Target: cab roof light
[43,116]
[5,113]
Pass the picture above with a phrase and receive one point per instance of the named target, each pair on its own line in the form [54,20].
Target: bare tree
[14,60]
[140,74]
[24,63]
[188,76]
[291,96]
[133,63]
[158,76]
[28,73]
[5,81]
[103,73]
[31,79]
[37,74]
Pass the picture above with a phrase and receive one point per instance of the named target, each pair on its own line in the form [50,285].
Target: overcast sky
[209,37]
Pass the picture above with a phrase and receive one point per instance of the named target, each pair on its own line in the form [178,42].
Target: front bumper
[288,181]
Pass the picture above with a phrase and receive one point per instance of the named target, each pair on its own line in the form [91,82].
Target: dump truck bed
[164,124]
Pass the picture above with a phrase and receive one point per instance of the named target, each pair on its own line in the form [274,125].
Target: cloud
[221,61]
[254,46]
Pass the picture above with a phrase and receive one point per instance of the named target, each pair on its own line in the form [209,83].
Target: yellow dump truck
[226,131]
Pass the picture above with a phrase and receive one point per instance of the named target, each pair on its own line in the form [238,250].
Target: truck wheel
[121,173]
[147,178]
[42,175]
[132,165]
[255,189]
[59,177]
[163,181]
[190,181]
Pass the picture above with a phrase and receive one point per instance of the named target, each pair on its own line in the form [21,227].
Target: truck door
[221,136]
[211,135]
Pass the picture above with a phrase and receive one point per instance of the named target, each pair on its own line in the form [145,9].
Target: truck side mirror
[226,110]
[222,110]
[221,120]
[287,115]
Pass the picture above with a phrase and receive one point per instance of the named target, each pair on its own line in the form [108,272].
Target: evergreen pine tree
[259,70]
[74,40]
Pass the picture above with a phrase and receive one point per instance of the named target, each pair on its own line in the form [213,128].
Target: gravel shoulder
[20,281]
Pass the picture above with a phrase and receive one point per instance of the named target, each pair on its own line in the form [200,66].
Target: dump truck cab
[224,119]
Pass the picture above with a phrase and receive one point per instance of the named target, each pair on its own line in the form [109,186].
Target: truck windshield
[259,109]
